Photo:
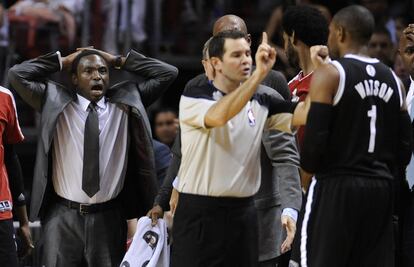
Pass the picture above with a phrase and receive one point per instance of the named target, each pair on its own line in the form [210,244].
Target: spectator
[116,12]
[62,12]
[380,46]
[166,126]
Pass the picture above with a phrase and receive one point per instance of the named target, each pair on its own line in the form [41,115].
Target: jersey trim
[341,85]
[364,59]
[8,92]
[304,230]
[397,80]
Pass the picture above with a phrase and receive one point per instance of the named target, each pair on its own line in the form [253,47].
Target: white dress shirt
[410,96]
[68,150]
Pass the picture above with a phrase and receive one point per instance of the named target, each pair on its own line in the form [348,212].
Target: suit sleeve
[277,81]
[280,146]
[29,78]
[158,75]
[164,193]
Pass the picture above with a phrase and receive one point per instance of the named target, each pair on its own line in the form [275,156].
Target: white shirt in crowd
[410,96]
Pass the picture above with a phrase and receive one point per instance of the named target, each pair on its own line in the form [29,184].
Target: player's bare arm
[323,88]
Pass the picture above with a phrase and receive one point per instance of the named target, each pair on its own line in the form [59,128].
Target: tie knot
[92,106]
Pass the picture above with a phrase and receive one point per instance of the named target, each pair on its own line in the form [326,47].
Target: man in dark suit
[95,162]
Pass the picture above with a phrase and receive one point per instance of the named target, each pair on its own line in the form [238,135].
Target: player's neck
[355,50]
[305,62]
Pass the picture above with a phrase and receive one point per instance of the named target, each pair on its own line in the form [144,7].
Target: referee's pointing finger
[264,38]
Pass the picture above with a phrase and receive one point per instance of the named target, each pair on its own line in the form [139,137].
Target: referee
[221,129]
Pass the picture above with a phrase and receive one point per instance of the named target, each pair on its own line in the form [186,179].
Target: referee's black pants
[214,232]
[348,222]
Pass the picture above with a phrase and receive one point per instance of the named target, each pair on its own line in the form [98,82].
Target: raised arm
[158,75]
[231,104]
[29,78]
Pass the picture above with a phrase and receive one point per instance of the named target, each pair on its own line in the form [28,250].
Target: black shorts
[348,222]
[214,232]
[8,250]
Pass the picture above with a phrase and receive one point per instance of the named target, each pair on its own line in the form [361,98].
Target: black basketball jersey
[364,127]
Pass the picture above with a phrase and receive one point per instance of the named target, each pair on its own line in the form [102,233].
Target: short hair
[82,54]
[216,46]
[165,110]
[205,49]
[358,21]
[308,23]
[380,29]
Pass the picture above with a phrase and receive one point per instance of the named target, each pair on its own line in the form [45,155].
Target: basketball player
[357,133]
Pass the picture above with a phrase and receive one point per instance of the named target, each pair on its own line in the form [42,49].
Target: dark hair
[308,23]
[380,29]
[358,21]
[216,45]
[82,54]
[164,110]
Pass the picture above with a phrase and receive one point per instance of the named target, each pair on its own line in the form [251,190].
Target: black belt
[88,208]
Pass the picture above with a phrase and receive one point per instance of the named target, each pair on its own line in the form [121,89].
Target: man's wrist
[117,62]
[292,213]
[60,59]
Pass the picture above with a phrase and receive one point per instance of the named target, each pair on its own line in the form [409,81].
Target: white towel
[149,247]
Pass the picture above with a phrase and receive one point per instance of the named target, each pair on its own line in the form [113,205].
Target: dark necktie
[90,174]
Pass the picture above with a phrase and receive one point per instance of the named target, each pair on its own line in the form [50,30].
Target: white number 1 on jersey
[372,113]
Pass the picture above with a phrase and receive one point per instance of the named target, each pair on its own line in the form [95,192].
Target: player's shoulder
[5,91]
[6,96]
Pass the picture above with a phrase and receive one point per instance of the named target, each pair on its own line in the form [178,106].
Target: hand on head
[409,32]
[110,59]
[68,60]
[265,56]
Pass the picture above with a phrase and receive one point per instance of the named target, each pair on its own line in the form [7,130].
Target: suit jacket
[163,157]
[30,80]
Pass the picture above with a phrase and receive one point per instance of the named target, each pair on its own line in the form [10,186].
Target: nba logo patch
[250,117]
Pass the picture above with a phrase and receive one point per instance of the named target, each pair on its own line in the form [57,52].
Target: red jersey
[10,133]
[299,88]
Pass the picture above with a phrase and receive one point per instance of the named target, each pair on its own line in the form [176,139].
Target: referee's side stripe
[303,252]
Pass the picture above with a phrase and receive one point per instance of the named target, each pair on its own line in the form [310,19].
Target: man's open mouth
[97,87]
[246,71]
